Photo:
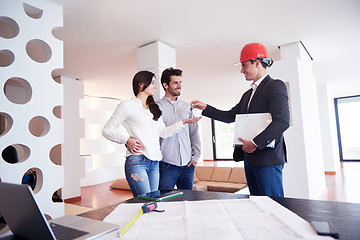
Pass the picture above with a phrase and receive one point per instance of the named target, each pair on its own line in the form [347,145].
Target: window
[223,140]
[347,111]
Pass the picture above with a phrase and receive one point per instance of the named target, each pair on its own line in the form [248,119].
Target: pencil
[123,231]
[170,196]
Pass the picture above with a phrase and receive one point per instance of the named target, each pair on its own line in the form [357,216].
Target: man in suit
[264,155]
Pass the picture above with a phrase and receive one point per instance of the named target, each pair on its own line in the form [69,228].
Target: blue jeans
[142,174]
[265,180]
[171,175]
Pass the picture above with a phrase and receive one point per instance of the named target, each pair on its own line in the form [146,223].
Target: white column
[304,174]
[74,167]
[156,57]
[329,138]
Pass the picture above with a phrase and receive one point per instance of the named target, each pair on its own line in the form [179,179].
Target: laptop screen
[21,213]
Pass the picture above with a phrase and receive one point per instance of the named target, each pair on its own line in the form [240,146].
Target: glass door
[347,111]
[223,140]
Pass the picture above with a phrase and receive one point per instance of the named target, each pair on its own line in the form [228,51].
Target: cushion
[196,178]
[120,184]
[199,187]
[225,187]
[202,183]
[204,172]
[237,175]
[220,174]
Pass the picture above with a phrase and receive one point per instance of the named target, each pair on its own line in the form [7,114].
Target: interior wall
[29,95]
[103,159]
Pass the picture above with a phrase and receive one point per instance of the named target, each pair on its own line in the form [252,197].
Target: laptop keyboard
[66,233]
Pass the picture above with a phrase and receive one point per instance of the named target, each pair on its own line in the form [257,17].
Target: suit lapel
[247,95]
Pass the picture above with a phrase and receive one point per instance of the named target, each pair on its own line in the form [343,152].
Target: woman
[142,120]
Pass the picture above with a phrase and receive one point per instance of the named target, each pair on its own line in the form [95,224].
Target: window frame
[337,119]
[213,139]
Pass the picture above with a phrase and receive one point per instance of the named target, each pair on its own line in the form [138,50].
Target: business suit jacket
[270,97]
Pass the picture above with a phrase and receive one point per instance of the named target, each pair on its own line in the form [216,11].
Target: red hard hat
[253,51]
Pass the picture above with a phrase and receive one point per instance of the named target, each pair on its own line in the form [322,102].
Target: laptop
[25,219]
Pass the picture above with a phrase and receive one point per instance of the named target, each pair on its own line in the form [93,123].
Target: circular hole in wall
[56,74]
[6,123]
[56,197]
[32,11]
[38,50]
[55,154]
[23,152]
[6,58]
[58,33]
[9,154]
[15,153]
[57,111]
[39,126]
[8,27]
[18,90]
[34,178]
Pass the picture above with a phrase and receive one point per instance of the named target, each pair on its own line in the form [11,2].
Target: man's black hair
[264,64]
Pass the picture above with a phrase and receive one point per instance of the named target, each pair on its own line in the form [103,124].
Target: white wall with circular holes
[29,126]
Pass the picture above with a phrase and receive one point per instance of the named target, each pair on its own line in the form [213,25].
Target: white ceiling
[101,38]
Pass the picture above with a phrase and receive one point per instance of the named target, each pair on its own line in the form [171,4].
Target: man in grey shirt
[180,152]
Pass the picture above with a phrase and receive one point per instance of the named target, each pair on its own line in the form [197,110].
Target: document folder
[248,126]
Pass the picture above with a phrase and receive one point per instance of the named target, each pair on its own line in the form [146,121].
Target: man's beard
[174,93]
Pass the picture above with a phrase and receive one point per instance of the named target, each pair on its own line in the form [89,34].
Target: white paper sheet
[254,218]
[248,126]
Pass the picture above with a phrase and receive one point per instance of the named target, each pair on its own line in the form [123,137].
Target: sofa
[219,179]
[207,178]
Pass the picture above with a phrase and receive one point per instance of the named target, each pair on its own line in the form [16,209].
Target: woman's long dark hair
[145,77]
